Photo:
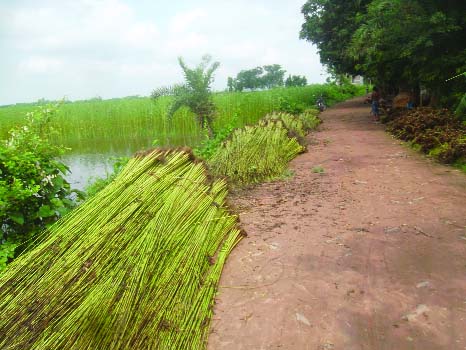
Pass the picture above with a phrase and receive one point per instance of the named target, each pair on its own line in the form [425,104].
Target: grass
[318,169]
[114,126]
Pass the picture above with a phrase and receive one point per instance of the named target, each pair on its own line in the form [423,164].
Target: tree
[195,93]
[231,84]
[415,43]
[395,43]
[249,79]
[295,80]
[330,24]
[273,76]
[266,77]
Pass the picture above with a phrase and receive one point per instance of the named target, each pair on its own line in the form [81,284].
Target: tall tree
[396,43]
[249,79]
[295,80]
[273,76]
[414,42]
[330,24]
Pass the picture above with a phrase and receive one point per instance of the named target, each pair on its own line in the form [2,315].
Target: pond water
[96,160]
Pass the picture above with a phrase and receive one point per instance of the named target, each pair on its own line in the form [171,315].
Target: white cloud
[184,21]
[37,64]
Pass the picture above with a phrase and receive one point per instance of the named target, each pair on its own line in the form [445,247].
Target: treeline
[265,77]
[397,44]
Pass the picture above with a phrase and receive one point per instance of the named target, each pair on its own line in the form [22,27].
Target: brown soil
[371,254]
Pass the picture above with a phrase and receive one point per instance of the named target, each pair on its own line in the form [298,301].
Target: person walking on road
[375,98]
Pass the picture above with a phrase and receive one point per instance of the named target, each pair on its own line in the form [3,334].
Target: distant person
[410,104]
[375,98]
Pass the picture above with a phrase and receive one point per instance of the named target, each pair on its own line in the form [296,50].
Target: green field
[122,126]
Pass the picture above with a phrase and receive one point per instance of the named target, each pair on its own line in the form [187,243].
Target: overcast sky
[113,48]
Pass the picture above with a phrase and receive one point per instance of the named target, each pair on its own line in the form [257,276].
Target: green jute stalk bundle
[255,153]
[135,267]
[310,119]
[259,153]
[290,121]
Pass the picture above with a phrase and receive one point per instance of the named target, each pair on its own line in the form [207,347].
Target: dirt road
[371,254]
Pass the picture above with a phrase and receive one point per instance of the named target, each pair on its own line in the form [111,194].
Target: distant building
[357,80]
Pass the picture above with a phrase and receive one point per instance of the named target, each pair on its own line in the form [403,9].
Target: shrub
[286,105]
[33,190]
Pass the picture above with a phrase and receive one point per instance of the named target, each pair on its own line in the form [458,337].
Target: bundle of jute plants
[135,267]
[255,153]
[261,152]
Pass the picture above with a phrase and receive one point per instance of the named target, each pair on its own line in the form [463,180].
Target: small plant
[318,169]
[208,147]
[288,174]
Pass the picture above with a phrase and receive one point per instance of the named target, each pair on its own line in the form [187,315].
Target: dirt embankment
[371,254]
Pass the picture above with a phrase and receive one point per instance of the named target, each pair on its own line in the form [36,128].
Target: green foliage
[135,267]
[266,77]
[273,76]
[209,146]
[195,93]
[295,80]
[395,43]
[288,106]
[33,190]
[330,24]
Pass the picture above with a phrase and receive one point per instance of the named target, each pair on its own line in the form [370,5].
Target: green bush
[33,190]
[210,145]
[285,104]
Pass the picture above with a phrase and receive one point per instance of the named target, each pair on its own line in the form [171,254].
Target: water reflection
[88,163]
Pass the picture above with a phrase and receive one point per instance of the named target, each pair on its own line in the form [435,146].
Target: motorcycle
[320,104]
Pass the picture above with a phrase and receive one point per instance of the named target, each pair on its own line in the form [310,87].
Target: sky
[78,49]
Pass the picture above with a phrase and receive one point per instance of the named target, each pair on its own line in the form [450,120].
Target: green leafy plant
[461,109]
[195,93]
[288,106]
[33,190]
[209,146]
